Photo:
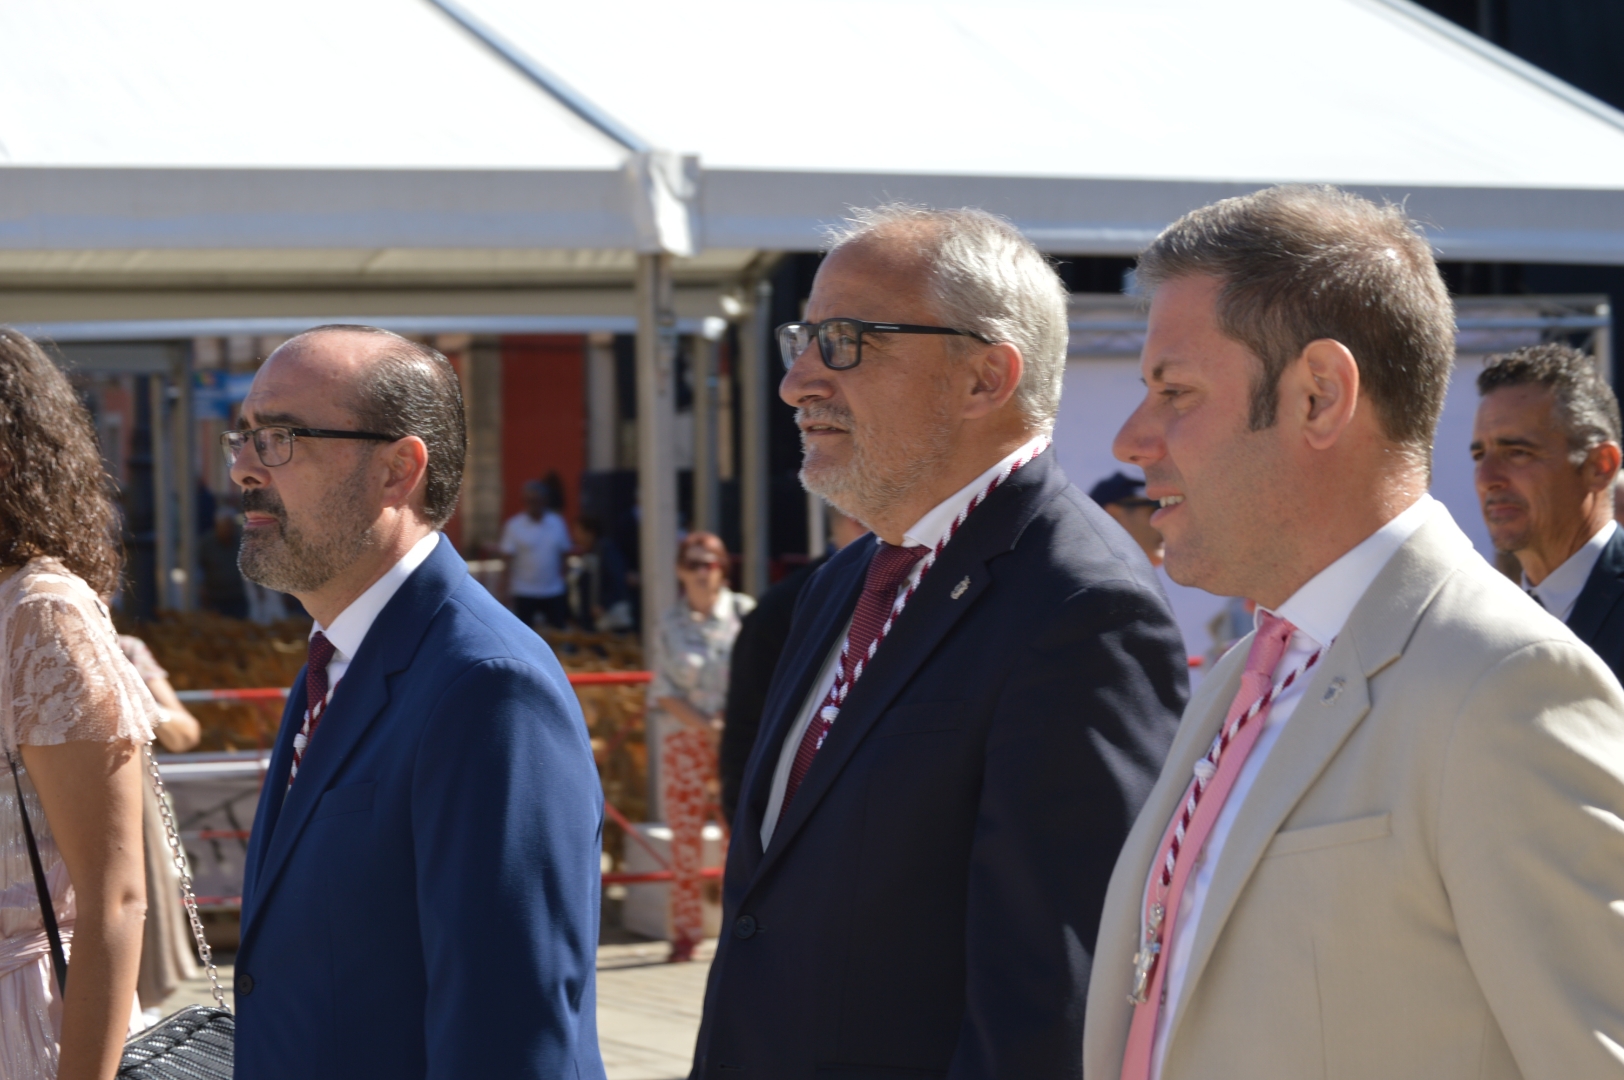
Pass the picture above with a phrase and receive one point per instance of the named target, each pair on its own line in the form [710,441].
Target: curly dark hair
[55,494]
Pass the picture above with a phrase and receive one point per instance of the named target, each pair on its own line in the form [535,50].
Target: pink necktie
[1189,829]
[321,651]
[886,571]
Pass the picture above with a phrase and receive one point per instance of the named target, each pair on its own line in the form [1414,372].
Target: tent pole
[753,361]
[183,437]
[1603,340]
[656,423]
[817,526]
[702,366]
[163,508]
[603,409]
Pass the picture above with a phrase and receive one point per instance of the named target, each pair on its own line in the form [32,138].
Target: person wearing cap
[1123,497]
[692,651]
[535,542]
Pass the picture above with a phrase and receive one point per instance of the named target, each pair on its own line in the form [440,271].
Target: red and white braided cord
[837,693]
[1226,735]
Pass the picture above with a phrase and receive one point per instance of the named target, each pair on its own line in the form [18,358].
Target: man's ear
[408,464]
[997,371]
[1320,390]
[1601,466]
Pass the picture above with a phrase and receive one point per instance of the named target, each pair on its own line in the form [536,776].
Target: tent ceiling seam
[1493,53]
[544,77]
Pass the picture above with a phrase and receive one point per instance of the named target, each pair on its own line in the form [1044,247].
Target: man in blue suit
[1546,442]
[972,704]
[421,895]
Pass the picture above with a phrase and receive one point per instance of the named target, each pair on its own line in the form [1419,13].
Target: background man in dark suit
[972,703]
[421,894]
[760,643]
[1546,443]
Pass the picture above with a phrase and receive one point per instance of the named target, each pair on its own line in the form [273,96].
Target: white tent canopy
[382,130]
[1093,123]
[172,167]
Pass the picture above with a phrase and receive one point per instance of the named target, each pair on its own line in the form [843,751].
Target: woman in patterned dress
[74,717]
[691,654]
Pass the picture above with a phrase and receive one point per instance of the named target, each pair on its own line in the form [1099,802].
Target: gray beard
[301,560]
[865,488]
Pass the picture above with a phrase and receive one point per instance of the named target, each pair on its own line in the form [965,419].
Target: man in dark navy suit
[1546,443]
[972,703]
[421,894]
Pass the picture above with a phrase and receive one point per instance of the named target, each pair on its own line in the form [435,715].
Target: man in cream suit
[1387,842]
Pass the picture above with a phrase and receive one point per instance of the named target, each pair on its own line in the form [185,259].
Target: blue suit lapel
[929,616]
[1602,592]
[274,786]
[359,698]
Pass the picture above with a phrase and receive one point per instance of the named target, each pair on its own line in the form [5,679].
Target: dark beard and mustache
[875,477]
[301,559]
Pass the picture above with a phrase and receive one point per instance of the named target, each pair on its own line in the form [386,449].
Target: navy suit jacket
[928,906]
[1598,617]
[423,901]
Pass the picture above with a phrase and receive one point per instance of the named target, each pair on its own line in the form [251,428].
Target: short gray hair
[1585,404]
[985,277]
[412,389]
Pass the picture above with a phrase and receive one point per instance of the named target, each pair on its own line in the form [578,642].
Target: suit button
[244,984]
[744,927]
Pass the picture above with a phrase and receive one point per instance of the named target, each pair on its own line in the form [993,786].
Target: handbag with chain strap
[195,1043]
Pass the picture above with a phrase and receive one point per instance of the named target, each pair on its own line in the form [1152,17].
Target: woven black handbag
[195,1043]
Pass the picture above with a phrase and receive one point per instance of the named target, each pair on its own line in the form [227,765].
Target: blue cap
[1117,487]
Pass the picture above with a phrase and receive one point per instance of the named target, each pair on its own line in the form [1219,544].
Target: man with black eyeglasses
[421,890]
[972,703]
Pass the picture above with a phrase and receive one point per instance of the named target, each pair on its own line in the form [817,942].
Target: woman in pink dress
[74,717]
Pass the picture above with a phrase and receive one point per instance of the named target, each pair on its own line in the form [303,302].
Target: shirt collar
[1321,608]
[350,628]
[718,612]
[933,528]
[1560,590]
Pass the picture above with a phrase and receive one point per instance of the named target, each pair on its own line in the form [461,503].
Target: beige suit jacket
[1427,879]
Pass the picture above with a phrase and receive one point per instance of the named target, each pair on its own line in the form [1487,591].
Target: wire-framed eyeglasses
[274,444]
[840,341]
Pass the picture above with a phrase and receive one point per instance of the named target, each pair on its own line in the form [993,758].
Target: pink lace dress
[63,678]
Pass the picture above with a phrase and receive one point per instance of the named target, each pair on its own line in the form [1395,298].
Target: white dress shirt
[1561,588]
[350,628]
[927,532]
[1318,610]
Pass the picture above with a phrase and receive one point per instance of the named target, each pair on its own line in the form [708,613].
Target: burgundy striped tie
[321,651]
[886,572]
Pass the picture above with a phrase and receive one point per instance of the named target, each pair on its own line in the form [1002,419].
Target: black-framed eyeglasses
[275,444]
[840,341]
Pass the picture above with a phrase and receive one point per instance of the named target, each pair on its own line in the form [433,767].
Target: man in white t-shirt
[535,543]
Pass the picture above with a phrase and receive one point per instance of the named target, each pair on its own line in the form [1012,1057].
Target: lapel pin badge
[958,590]
[1334,689]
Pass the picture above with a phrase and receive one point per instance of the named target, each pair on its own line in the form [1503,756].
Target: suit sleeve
[507,819]
[1081,728]
[1530,843]
[750,671]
